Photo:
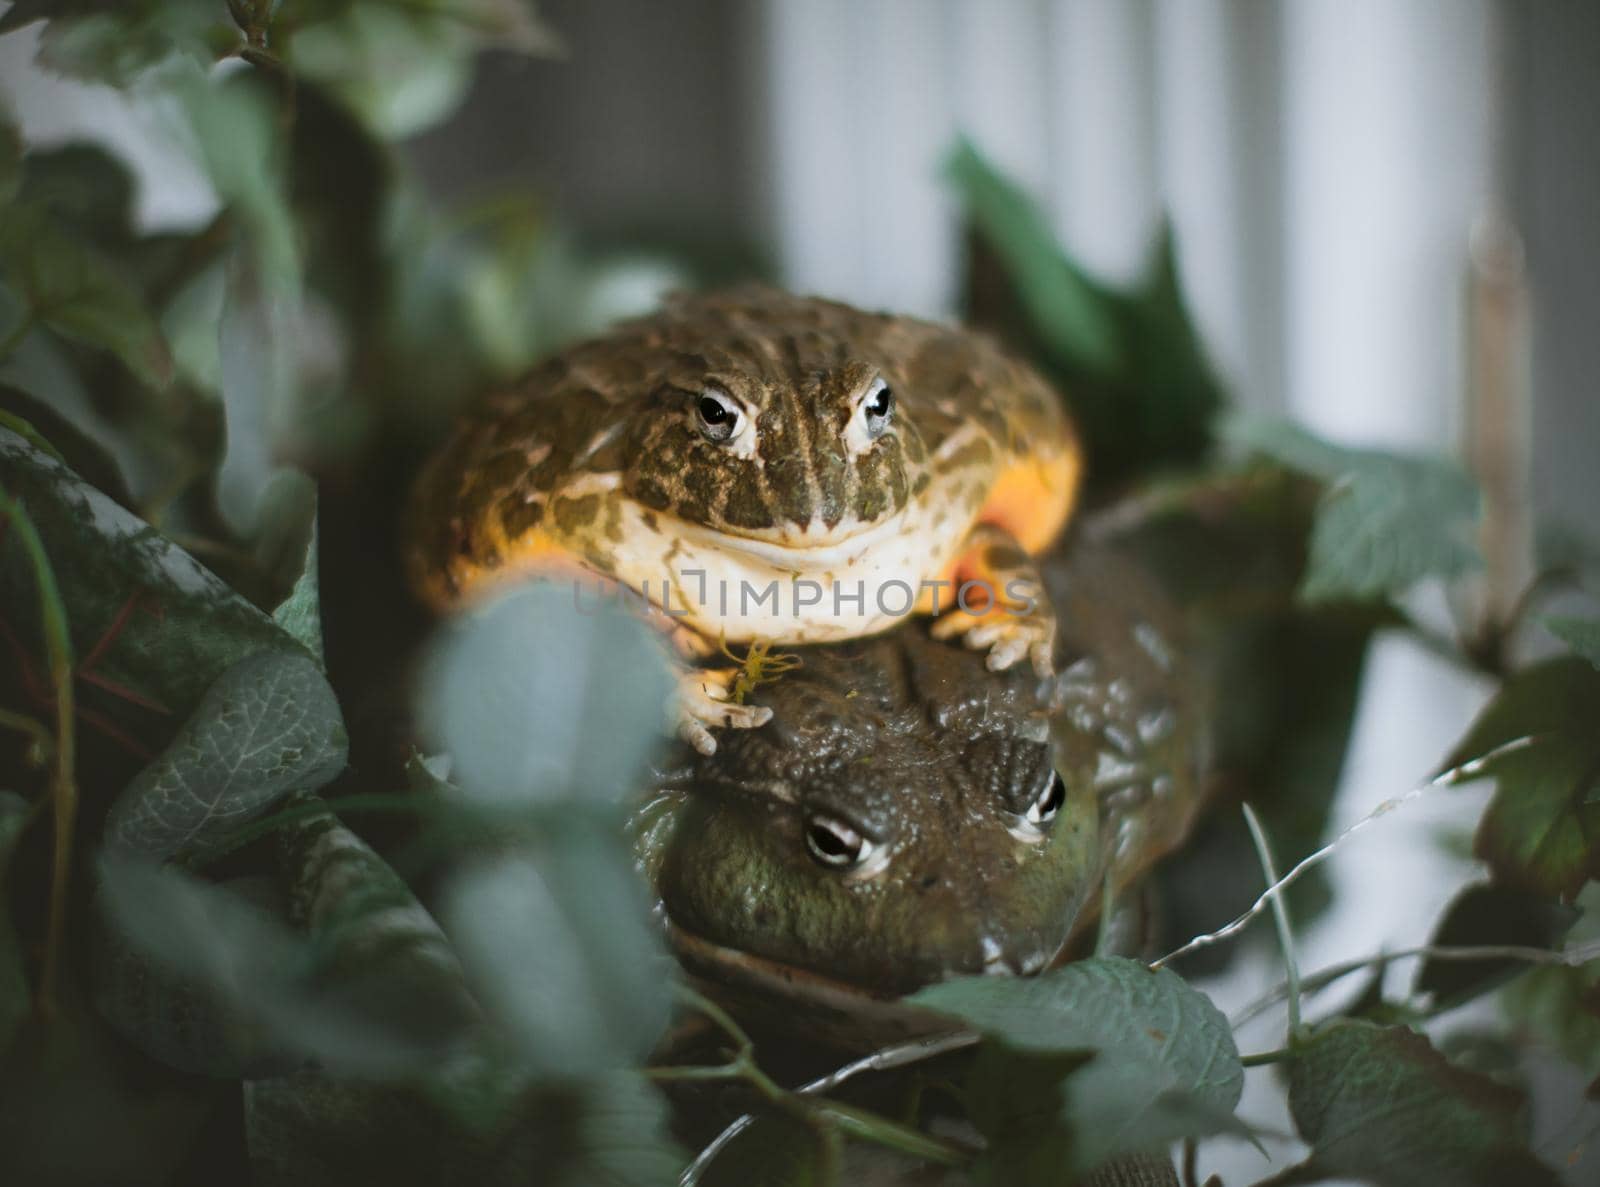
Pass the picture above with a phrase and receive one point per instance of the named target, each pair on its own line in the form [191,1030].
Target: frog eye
[835,844]
[717,416]
[1044,808]
[877,408]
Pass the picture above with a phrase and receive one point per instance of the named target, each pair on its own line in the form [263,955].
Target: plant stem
[63,784]
[1280,916]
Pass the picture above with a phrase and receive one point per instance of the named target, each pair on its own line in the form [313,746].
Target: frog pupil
[881,404]
[1049,803]
[712,411]
[717,419]
[831,844]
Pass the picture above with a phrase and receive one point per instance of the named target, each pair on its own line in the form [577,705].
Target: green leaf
[1541,831]
[75,290]
[540,697]
[1580,634]
[558,943]
[114,43]
[1381,1105]
[300,614]
[165,627]
[268,727]
[1386,520]
[1129,362]
[1165,1065]
[1489,916]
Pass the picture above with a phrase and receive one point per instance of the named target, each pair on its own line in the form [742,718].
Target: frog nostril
[929,881]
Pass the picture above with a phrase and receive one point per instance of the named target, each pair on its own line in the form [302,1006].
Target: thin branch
[1466,772]
[1578,954]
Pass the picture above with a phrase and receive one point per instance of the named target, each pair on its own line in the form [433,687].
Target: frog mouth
[772,977]
[815,541]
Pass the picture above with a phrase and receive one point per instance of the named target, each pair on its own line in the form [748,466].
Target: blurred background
[1384,215]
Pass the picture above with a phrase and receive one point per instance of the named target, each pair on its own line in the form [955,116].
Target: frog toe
[702,705]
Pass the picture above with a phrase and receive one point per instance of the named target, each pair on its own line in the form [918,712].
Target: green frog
[760,468]
[910,815]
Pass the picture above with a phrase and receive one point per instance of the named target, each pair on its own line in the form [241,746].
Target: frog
[754,468]
[910,815]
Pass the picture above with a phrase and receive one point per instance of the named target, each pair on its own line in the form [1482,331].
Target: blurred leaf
[1385,521]
[1580,634]
[1129,362]
[237,139]
[776,1151]
[559,945]
[299,997]
[1541,831]
[84,188]
[1165,1064]
[268,727]
[1561,1007]
[1073,314]
[1381,1105]
[15,1002]
[177,626]
[1489,915]
[537,699]
[70,287]
[114,41]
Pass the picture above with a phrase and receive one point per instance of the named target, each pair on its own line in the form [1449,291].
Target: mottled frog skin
[910,815]
[738,441]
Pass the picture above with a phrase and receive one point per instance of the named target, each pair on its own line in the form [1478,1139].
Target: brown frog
[761,468]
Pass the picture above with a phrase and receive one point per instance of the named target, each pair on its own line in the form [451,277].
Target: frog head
[902,820]
[767,426]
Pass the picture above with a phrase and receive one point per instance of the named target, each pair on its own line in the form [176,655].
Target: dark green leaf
[115,42]
[559,946]
[84,189]
[1381,1105]
[1074,314]
[166,627]
[268,727]
[1489,915]
[72,288]
[1580,634]
[1165,1063]
[1129,363]
[1541,832]
[1386,520]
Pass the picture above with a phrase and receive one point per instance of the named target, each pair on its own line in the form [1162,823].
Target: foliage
[195,430]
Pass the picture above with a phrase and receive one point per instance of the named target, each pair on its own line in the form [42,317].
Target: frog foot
[1023,626]
[703,701]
